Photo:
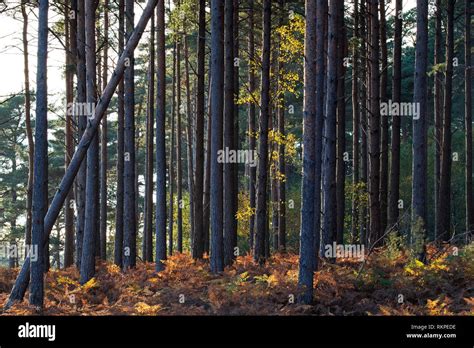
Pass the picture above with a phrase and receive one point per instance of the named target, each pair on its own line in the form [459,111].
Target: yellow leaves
[92,283]
[113,268]
[154,280]
[143,308]
[67,281]
[245,213]
[437,307]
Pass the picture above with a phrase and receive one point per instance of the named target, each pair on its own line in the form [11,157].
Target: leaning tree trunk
[23,278]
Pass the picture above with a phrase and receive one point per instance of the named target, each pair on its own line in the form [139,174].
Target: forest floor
[390,283]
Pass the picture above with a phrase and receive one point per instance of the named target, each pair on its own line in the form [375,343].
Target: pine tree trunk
[160,138]
[229,215]
[40,182]
[29,131]
[172,155]
[308,190]
[148,218]
[419,175]
[396,121]
[251,120]
[262,169]
[355,124]
[179,163]
[130,223]
[383,122]
[92,188]
[444,205]
[198,245]
[374,126]
[468,117]
[119,228]
[217,108]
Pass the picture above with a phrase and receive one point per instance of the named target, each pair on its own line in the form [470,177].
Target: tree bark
[262,169]
[40,182]
[23,278]
[355,123]
[468,117]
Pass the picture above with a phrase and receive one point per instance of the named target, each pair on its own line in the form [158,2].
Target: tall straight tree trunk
[308,190]
[118,247]
[364,112]
[229,215]
[262,169]
[444,204]
[468,117]
[82,123]
[67,181]
[160,138]
[29,131]
[68,209]
[237,141]
[320,109]
[189,142]
[374,126]
[355,124]
[103,142]
[148,218]
[179,166]
[251,120]
[40,185]
[329,157]
[419,175]
[281,155]
[129,206]
[92,188]
[438,104]
[207,178]
[383,121]
[172,155]
[217,108]
[198,245]
[394,195]
[341,126]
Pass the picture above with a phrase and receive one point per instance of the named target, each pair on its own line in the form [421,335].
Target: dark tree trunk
[172,155]
[374,126]
[68,208]
[198,245]
[262,169]
[160,139]
[40,182]
[396,121]
[129,206]
[103,143]
[308,190]
[207,179]
[229,214]
[92,188]
[438,104]
[82,123]
[118,247]
[468,117]
[329,157]
[148,218]
[355,124]
[217,99]
[321,58]
[67,181]
[444,204]
[179,167]
[383,121]
[419,175]
[341,126]
[251,121]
